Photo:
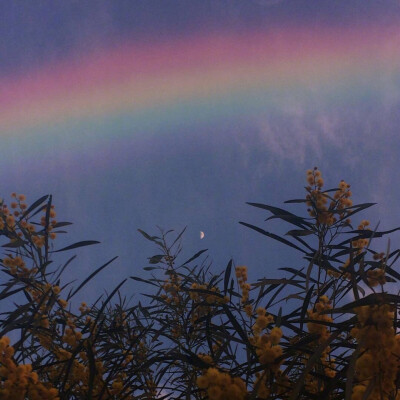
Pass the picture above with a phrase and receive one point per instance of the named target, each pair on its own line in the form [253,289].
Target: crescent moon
[201,234]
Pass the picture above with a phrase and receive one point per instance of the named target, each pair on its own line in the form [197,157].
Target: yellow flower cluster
[268,351]
[7,218]
[376,276]
[342,199]
[172,288]
[314,385]
[207,357]
[19,382]
[151,389]
[318,200]
[315,327]
[379,361]
[359,245]
[209,298]
[221,385]
[267,347]
[79,374]
[279,388]
[241,275]
[16,227]
[17,267]
[45,295]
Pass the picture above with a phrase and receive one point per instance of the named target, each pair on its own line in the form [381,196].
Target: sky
[138,114]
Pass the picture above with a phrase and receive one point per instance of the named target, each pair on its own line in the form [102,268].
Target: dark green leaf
[283,214]
[227,275]
[295,201]
[91,276]
[273,236]
[17,243]
[284,281]
[198,254]
[61,224]
[135,278]
[156,259]
[76,245]
[150,268]
[151,238]
[299,232]
[305,306]
[34,205]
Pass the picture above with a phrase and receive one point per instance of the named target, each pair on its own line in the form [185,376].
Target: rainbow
[189,80]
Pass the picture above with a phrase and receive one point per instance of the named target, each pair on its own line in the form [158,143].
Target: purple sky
[201,180]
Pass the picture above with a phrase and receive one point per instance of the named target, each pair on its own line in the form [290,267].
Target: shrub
[204,335]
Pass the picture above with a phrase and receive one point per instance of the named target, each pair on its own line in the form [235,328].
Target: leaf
[150,268]
[392,272]
[279,318]
[61,224]
[284,281]
[299,232]
[136,278]
[151,238]
[283,214]
[294,220]
[236,325]
[91,276]
[156,259]
[295,201]
[106,301]
[227,275]
[6,293]
[76,245]
[351,210]
[198,254]
[34,205]
[273,236]
[178,237]
[17,243]
[371,299]
[310,363]
[305,306]
[65,266]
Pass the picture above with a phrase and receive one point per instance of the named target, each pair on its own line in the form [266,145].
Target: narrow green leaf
[283,281]
[61,224]
[305,306]
[295,201]
[236,325]
[136,278]
[273,236]
[179,236]
[17,243]
[92,275]
[156,259]
[151,238]
[299,232]
[198,254]
[227,275]
[76,245]
[283,214]
[34,205]
[311,362]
